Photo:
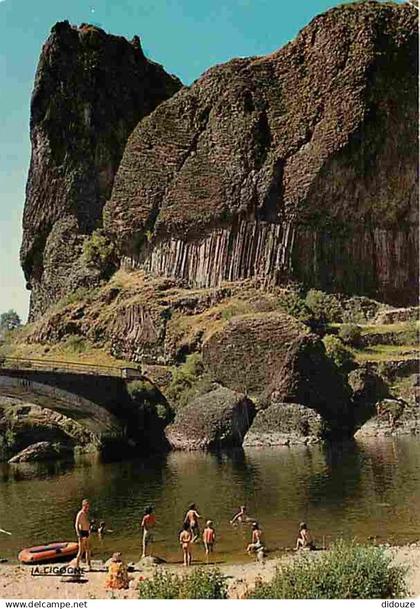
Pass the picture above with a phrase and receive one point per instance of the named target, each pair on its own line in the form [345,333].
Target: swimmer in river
[185,539]
[191,518]
[209,538]
[147,525]
[82,526]
[304,540]
[241,516]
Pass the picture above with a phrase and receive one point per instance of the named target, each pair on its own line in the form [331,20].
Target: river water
[357,490]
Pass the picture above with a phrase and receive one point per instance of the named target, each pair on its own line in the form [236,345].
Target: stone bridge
[94,396]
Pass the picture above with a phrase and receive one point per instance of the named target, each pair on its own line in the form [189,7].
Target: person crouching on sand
[185,539]
[82,526]
[304,540]
[117,578]
[209,538]
[147,525]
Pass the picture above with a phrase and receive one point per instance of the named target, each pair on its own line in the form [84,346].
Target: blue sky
[186,36]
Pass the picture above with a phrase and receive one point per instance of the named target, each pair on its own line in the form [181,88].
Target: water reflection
[355,489]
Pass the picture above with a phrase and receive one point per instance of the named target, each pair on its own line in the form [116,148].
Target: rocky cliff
[91,89]
[299,164]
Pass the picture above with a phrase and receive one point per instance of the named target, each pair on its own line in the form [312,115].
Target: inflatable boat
[50,551]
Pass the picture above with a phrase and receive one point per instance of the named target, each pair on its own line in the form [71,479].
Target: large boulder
[275,357]
[368,388]
[285,424]
[217,419]
[41,451]
[392,417]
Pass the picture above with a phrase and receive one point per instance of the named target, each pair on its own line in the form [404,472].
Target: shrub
[295,306]
[76,343]
[409,335]
[184,377]
[150,398]
[350,334]
[338,352]
[324,307]
[199,584]
[347,571]
[99,251]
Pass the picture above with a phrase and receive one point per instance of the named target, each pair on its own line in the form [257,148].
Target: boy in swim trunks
[147,525]
[82,526]
[185,539]
[256,544]
[209,538]
[191,518]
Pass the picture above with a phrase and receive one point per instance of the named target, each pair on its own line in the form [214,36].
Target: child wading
[185,539]
[191,519]
[209,538]
[147,525]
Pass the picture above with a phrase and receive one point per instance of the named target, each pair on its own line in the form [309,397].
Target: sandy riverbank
[16,581]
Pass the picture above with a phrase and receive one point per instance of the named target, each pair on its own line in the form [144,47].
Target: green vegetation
[199,584]
[76,344]
[295,306]
[7,442]
[188,381]
[347,571]
[337,351]
[325,308]
[9,320]
[99,251]
[350,334]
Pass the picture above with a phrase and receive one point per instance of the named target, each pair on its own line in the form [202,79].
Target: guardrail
[18,363]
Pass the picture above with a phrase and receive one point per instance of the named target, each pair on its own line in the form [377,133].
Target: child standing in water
[147,525]
[185,539]
[191,518]
[209,537]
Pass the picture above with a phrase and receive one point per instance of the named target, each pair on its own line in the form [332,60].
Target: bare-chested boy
[191,518]
[82,526]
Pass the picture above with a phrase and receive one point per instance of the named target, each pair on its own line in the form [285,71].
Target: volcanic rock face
[91,89]
[302,163]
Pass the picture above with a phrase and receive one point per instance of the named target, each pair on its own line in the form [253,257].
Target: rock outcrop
[91,89]
[299,164]
[41,451]
[285,424]
[218,419]
[275,357]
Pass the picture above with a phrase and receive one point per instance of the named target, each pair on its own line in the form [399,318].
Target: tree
[9,320]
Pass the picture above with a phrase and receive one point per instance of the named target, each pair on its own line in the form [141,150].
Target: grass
[347,571]
[198,584]
[383,353]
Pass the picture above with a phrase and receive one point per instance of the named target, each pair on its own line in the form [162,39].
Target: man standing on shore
[82,526]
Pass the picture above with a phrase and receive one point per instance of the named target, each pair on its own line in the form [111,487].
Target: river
[360,489]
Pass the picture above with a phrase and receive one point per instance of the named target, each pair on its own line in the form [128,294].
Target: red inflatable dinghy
[51,551]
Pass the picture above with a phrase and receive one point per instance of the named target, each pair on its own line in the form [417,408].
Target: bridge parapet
[17,363]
